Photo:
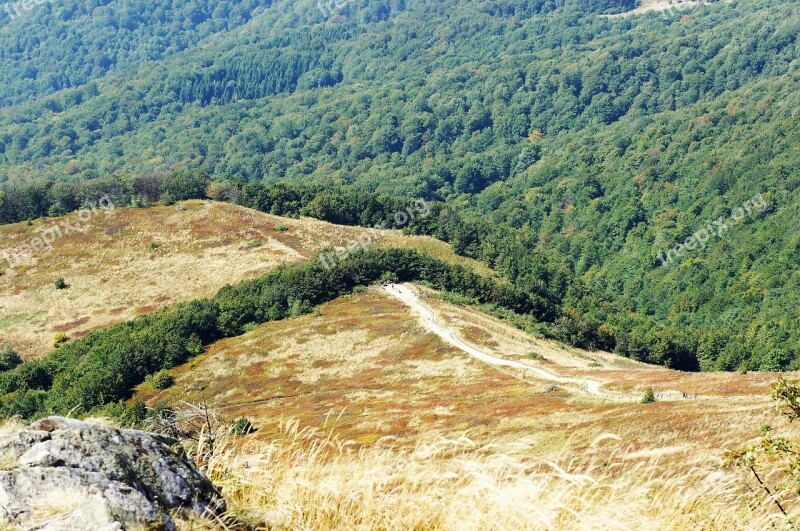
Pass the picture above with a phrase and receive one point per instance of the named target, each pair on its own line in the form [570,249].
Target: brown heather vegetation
[366,420]
[128,262]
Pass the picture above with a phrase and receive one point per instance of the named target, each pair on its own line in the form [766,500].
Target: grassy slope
[129,262]
[366,371]
[366,355]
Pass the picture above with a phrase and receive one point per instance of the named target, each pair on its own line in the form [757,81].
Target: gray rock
[65,474]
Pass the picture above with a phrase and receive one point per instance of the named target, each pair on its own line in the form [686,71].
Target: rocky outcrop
[69,474]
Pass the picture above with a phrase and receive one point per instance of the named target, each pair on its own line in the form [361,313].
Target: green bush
[60,283]
[132,416]
[9,358]
[168,199]
[60,339]
[242,426]
[649,397]
[389,276]
[162,380]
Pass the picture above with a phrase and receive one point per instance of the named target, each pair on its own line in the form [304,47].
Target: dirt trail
[593,387]
[430,321]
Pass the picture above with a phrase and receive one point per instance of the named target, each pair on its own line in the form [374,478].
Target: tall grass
[306,479]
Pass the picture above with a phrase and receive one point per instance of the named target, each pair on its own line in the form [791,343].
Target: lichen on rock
[69,474]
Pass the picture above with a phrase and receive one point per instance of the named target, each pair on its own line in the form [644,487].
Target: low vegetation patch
[9,358]
[649,397]
[162,380]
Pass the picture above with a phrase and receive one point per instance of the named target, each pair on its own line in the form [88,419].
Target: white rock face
[64,474]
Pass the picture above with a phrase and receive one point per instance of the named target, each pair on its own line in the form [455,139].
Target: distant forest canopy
[565,149]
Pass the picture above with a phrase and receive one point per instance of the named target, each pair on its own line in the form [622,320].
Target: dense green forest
[62,45]
[563,148]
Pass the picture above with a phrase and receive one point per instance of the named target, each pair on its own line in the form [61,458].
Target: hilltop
[128,262]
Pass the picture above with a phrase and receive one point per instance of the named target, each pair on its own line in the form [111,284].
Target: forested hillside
[61,45]
[566,149]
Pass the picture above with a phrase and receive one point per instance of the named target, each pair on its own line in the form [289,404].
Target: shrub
[9,358]
[168,199]
[242,426]
[389,276]
[60,283]
[194,345]
[127,416]
[60,339]
[281,228]
[138,202]
[649,397]
[162,380]
[773,460]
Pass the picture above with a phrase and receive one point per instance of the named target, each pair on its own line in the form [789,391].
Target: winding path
[593,387]
[431,322]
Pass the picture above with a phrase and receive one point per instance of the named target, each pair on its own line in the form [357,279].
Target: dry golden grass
[311,479]
[502,339]
[128,262]
[55,505]
[366,358]
[619,374]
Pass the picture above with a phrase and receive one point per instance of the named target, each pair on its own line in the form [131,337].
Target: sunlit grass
[308,479]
